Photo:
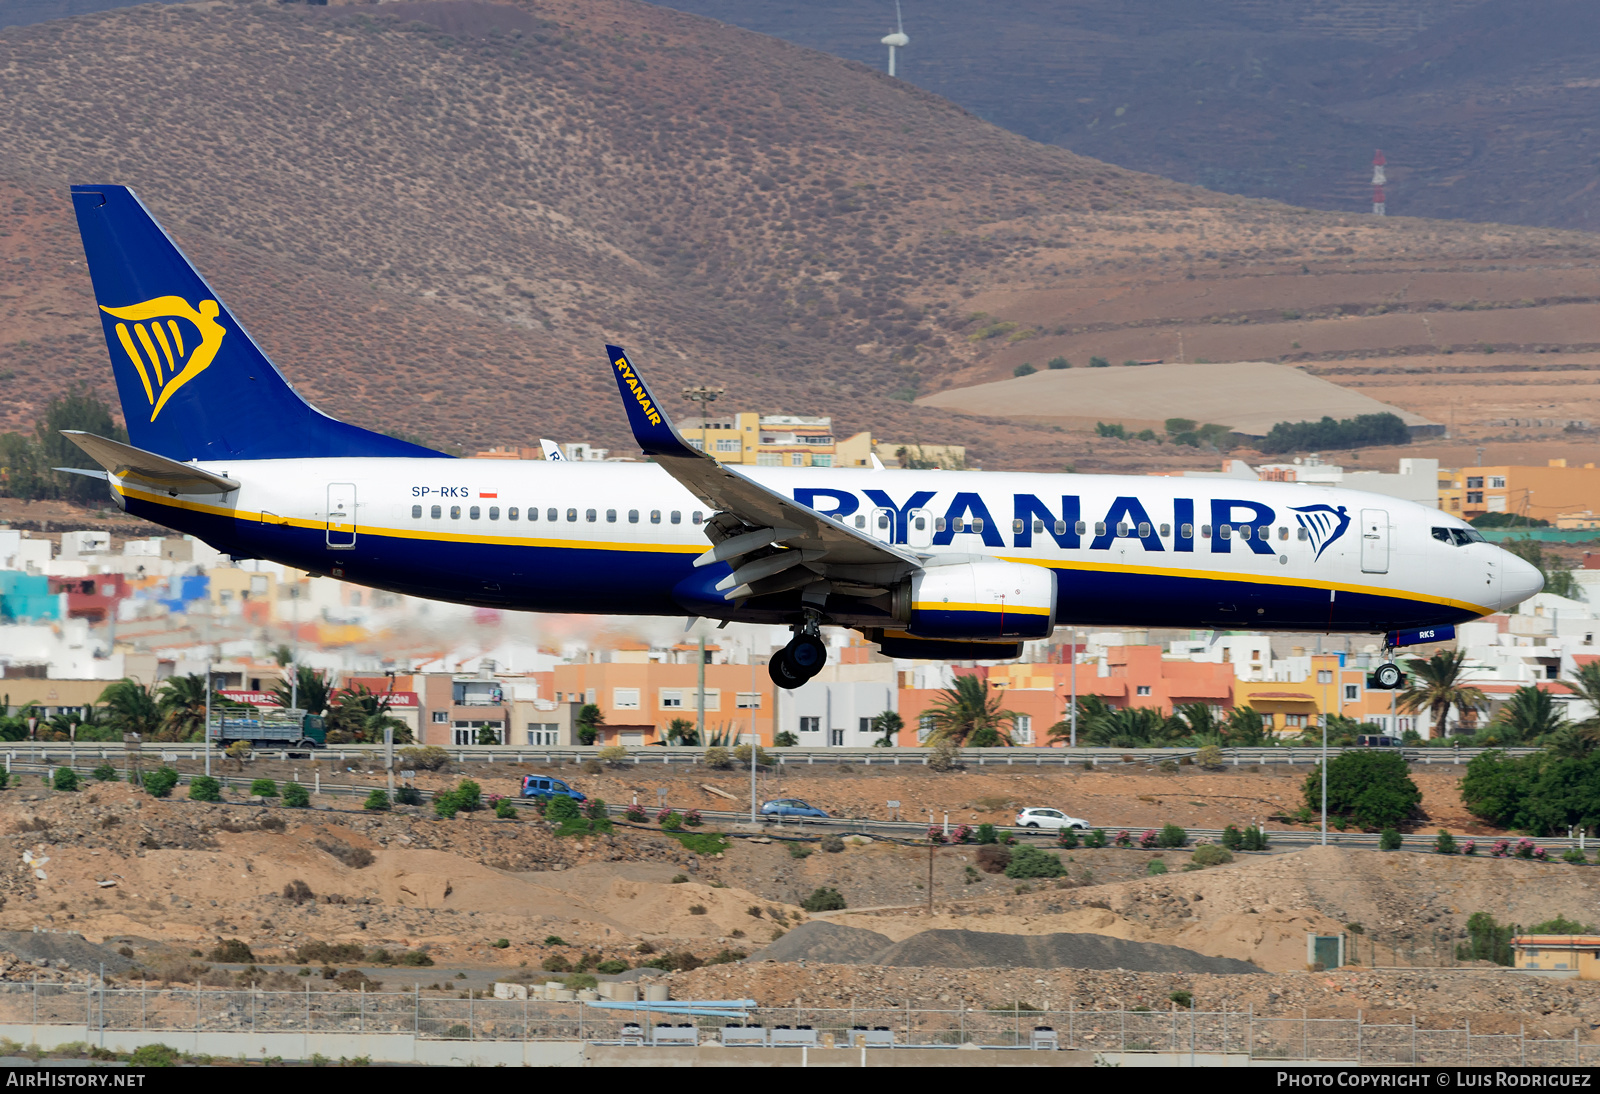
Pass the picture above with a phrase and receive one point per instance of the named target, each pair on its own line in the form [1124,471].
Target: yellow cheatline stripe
[1261,579]
[274,520]
[988,609]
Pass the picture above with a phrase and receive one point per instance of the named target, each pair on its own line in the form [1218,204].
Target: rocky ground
[163,882]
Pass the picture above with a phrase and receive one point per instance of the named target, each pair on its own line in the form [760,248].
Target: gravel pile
[50,949]
[955,949]
[827,943]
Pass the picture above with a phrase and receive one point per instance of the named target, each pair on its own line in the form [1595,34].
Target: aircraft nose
[1519,579]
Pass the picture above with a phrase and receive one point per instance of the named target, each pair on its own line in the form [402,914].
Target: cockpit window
[1458,537]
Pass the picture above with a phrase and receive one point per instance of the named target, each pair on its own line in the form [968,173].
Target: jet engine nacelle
[979,600]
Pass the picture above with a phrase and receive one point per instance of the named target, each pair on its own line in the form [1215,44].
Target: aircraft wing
[124,461]
[761,516]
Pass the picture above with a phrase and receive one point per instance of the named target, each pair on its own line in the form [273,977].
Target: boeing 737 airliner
[935,564]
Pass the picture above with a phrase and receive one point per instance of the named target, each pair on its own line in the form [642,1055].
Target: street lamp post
[705,396]
[208,716]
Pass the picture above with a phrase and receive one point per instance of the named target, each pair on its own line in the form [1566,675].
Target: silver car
[1048,818]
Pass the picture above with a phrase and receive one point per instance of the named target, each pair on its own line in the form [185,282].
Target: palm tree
[357,714]
[1092,710]
[969,713]
[1244,727]
[130,707]
[1528,715]
[183,706]
[313,691]
[1585,683]
[1198,719]
[1134,727]
[888,726]
[1436,686]
[681,731]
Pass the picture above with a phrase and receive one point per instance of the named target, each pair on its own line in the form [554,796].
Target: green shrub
[611,966]
[470,796]
[1210,758]
[415,959]
[157,1055]
[1024,369]
[798,849]
[502,943]
[1487,940]
[6,777]
[553,940]
[1095,838]
[717,758]
[105,773]
[408,795]
[1561,925]
[159,783]
[672,821]
[1172,836]
[1058,362]
[296,796]
[1389,840]
[1182,998]
[504,809]
[1574,856]
[1373,788]
[741,756]
[1445,844]
[1155,867]
[1231,838]
[556,963]
[1210,854]
[823,899]
[377,801]
[562,808]
[1068,838]
[1168,767]
[832,843]
[1030,862]
[231,951]
[1253,839]
[427,758]
[986,834]
[203,788]
[263,788]
[65,779]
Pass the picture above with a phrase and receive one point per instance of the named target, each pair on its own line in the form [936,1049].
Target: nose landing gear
[1387,676]
[802,658]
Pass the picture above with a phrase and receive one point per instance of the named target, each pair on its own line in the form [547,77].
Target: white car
[1048,818]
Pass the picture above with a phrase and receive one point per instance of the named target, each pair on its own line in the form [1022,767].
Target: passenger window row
[590,516]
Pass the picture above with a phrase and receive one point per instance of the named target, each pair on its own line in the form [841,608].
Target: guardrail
[902,831]
[915,756]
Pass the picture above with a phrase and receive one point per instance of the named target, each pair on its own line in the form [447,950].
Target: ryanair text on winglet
[638,391]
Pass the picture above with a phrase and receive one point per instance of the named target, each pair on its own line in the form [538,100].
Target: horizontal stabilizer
[123,461]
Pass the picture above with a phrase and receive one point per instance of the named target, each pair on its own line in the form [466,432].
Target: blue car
[790,807]
[542,786]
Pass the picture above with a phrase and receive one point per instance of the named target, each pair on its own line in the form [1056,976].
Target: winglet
[551,450]
[651,426]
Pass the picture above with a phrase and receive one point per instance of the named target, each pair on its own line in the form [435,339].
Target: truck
[285,729]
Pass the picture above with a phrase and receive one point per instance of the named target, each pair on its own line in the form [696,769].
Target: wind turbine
[898,39]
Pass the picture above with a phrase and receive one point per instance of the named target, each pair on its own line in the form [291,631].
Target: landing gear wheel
[808,654]
[1387,676]
[783,672]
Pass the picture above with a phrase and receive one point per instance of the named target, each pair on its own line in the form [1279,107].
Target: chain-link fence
[1176,1030]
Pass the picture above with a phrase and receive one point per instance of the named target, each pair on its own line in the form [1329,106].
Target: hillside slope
[1484,107]
[434,213]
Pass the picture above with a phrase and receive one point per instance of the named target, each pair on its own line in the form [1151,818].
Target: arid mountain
[1485,108]
[433,214]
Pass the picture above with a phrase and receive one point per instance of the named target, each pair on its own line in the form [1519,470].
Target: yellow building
[1543,493]
[1559,952]
[776,440]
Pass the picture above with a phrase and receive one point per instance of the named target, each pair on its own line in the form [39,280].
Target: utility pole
[755,739]
[700,696]
[1072,711]
[1324,780]
[208,716]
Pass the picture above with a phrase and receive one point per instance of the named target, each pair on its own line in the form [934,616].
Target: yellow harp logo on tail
[169,343]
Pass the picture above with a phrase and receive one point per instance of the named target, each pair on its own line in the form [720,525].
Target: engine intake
[979,600]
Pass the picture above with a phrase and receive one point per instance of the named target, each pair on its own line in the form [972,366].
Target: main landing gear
[802,658]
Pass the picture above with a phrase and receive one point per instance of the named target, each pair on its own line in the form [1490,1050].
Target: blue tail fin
[194,385]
